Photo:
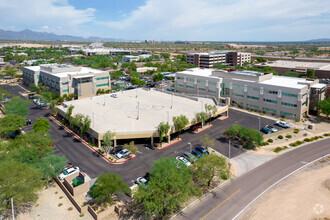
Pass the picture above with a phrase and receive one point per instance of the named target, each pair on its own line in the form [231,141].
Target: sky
[171,20]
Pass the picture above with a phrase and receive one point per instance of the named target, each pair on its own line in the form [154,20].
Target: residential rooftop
[298,64]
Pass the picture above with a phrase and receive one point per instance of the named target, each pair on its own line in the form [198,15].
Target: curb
[223,118]
[89,146]
[180,139]
[203,129]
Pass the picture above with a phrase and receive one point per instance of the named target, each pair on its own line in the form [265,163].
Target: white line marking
[293,172]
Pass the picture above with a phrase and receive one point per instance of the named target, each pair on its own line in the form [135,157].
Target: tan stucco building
[66,79]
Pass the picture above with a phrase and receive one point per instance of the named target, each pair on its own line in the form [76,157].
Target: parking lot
[94,165]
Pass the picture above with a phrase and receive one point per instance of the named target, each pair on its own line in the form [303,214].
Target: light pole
[202,105]
[136,93]
[259,123]
[168,116]
[93,120]
[12,208]
[138,109]
[229,148]
[190,145]
[172,101]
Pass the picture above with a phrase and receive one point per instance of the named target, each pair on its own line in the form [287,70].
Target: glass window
[181,78]
[238,95]
[252,106]
[271,92]
[65,90]
[64,83]
[190,87]
[211,91]
[100,85]
[289,104]
[269,109]
[100,78]
[270,101]
[290,95]
[286,113]
[252,97]
[180,85]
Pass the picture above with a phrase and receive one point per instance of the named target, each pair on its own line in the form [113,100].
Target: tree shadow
[76,140]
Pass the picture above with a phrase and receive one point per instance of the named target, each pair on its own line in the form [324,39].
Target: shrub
[307,140]
[297,120]
[320,137]
[273,114]
[270,140]
[280,137]
[81,214]
[296,131]
[282,119]
[326,134]
[288,136]
[264,143]
[262,113]
[101,151]
[278,149]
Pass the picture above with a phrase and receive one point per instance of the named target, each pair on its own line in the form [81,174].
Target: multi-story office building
[278,95]
[207,60]
[66,79]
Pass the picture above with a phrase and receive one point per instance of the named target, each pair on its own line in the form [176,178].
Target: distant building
[285,96]
[323,48]
[145,69]
[130,58]
[67,79]
[207,60]
[321,69]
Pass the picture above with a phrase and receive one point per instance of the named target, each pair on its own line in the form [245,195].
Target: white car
[183,160]
[141,181]
[123,153]
[69,172]
[283,124]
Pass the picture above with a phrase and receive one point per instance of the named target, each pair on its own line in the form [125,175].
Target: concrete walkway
[248,161]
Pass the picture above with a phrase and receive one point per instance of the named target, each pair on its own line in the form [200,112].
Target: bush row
[312,138]
[297,143]
[278,149]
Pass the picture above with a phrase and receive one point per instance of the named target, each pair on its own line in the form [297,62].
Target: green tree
[324,106]
[250,138]
[77,120]
[33,88]
[41,125]
[20,182]
[10,71]
[108,141]
[137,81]
[310,73]
[106,185]
[163,129]
[158,77]
[165,55]
[86,125]
[291,74]
[50,166]
[169,187]
[206,141]
[131,147]
[10,123]
[208,167]
[68,114]
[180,122]
[17,106]
[201,117]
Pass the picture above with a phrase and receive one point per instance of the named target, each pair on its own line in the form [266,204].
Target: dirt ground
[52,205]
[305,195]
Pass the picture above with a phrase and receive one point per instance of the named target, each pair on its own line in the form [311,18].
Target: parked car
[191,158]
[149,146]
[122,154]
[114,95]
[265,130]
[195,127]
[171,89]
[183,160]
[283,124]
[271,128]
[201,149]
[197,154]
[116,150]
[141,181]
[69,172]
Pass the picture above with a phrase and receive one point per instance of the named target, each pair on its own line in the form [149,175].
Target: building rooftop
[319,86]
[199,72]
[298,64]
[120,114]
[283,81]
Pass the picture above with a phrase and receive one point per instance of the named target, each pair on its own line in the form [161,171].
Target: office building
[278,95]
[130,58]
[207,60]
[66,79]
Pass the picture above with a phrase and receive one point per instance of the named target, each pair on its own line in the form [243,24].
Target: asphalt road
[91,163]
[230,199]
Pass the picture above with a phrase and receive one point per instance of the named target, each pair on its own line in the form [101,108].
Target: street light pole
[190,145]
[259,123]
[138,108]
[229,149]
[172,101]
[93,120]
[168,116]
[12,208]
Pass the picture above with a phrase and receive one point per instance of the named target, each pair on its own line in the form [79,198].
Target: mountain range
[28,35]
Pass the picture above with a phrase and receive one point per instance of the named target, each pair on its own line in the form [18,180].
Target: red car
[195,127]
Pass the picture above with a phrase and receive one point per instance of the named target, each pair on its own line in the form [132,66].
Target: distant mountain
[28,35]
[320,40]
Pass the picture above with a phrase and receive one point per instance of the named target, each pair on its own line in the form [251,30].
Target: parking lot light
[259,123]
[190,145]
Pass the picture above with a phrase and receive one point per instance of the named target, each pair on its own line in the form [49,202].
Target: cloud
[34,14]
[45,27]
[217,19]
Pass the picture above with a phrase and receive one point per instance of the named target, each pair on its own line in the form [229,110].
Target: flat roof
[283,81]
[318,86]
[199,72]
[84,70]
[298,64]
[120,114]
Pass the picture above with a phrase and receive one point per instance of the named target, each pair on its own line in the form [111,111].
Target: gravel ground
[48,207]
